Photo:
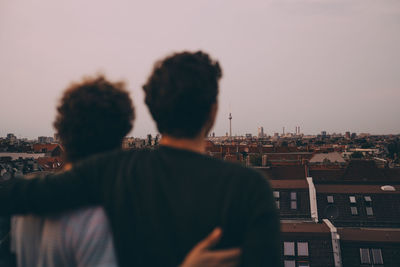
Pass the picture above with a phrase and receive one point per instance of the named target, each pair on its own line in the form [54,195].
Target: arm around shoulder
[54,192]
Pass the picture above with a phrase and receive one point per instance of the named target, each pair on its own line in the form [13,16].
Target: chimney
[264,160]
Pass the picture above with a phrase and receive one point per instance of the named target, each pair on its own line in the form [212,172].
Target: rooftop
[370,234]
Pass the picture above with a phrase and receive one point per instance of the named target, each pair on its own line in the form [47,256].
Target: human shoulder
[106,161]
[84,217]
[245,174]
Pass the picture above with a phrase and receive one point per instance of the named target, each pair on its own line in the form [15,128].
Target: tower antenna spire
[230,121]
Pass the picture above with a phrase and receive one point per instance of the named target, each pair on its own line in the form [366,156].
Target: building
[359,195]
[291,191]
[11,138]
[369,247]
[307,244]
[361,205]
[343,216]
[50,150]
[45,140]
[261,132]
[327,159]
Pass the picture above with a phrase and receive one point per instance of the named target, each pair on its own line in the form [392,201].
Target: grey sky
[329,65]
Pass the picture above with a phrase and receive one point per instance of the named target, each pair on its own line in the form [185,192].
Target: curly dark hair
[180,92]
[93,116]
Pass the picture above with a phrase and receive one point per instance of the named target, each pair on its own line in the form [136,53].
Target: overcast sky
[329,65]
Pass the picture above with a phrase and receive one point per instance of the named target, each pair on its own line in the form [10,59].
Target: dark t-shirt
[160,203]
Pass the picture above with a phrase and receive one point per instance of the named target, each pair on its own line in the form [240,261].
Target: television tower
[230,124]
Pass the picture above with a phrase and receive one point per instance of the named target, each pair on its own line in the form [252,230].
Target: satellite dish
[331,212]
[388,188]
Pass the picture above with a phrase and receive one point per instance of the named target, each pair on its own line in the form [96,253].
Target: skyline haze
[331,65]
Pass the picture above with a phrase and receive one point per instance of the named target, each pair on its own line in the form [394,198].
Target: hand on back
[203,255]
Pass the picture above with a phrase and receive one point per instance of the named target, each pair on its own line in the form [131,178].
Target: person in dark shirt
[161,202]
[93,116]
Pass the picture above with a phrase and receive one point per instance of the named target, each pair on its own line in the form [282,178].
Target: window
[293,200]
[277,202]
[354,210]
[296,254]
[364,255]
[302,248]
[367,199]
[290,263]
[330,199]
[288,248]
[371,256]
[369,211]
[377,255]
[352,199]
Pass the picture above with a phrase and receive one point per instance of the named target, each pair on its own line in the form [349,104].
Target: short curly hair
[180,92]
[93,116]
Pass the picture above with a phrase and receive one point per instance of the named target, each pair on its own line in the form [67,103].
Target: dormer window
[369,211]
[277,201]
[293,200]
[354,211]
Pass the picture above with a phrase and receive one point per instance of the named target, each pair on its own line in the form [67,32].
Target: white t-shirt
[77,238]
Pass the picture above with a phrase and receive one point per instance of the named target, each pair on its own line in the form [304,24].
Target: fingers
[211,240]
[224,258]
[226,255]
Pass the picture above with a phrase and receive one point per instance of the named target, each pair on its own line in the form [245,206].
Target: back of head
[181,91]
[93,117]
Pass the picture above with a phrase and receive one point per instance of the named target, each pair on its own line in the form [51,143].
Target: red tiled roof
[48,147]
[288,184]
[304,227]
[285,172]
[50,163]
[369,235]
[357,171]
[352,189]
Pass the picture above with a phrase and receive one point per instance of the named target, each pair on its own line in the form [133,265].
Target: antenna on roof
[230,121]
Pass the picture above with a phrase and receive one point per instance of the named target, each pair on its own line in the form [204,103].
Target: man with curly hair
[93,117]
[161,202]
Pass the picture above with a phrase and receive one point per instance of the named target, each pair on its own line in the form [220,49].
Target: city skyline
[327,65]
[271,134]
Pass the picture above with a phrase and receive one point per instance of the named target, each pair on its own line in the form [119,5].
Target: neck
[67,166]
[196,144]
